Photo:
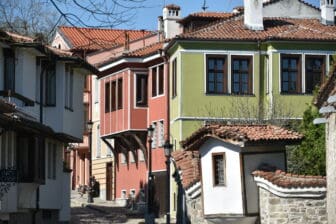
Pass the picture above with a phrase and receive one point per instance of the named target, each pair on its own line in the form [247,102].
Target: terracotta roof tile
[141,52]
[189,163]
[274,29]
[240,133]
[327,89]
[207,15]
[287,180]
[94,39]
[173,6]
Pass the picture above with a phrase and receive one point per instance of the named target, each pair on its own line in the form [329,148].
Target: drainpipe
[261,97]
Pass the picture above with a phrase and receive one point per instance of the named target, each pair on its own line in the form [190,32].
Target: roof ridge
[106,29]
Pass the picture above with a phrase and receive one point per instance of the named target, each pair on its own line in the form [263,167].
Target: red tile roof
[173,6]
[274,29]
[207,15]
[287,180]
[189,163]
[138,53]
[240,134]
[94,39]
[327,89]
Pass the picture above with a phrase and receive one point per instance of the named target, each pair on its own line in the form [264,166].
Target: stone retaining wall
[277,210]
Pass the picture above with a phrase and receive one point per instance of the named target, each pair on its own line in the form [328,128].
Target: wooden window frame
[250,75]
[214,172]
[298,75]
[154,82]
[158,80]
[215,71]
[107,97]
[120,93]
[113,99]
[141,90]
[323,70]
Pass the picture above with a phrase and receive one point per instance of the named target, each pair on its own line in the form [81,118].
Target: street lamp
[150,131]
[89,125]
[167,151]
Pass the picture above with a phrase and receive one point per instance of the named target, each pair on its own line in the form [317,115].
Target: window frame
[69,87]
[9,54]
[214,170]
[250,75]
[323,70]
[141,80]
[299,75]
[225,74]
[158,82]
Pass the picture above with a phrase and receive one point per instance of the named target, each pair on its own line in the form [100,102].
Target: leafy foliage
[309,158]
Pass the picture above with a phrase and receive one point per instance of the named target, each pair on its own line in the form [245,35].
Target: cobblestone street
[101,212]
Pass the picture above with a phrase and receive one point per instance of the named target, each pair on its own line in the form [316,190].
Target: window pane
[293,64]
[285,86]
[220,77]
[236,65]
[236,87]
[113,96]
[236,77]
[218,169]
[211,87]
[285,76]
[220,64]
[120,94]
[220,87]
[107,97]
[211,77]
[161,80]
[285,63]
[154,78]
[211,63]
[244,65]
[293,76]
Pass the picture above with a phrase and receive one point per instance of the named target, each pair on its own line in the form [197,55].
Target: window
[123,194]
[52,155]
[113,96]
[141,90]
[241,75]
[96,90]
[27,158]
[120,94]
[69,75]
[8,151]
[174,78]
[216,75]
[157,81]
[161,133]
[108,149]
[38,79]
[50,85]
[9,69]
[315,67]
[107,97]
[154,138]
[141,155]
[218,164]
[98,149]
[290,74]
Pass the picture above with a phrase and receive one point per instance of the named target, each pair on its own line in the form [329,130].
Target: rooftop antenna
[204,7]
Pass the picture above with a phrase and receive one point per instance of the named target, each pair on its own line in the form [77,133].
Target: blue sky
[146,18]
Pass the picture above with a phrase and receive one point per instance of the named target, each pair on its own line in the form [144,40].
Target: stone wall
[277,210]
[195,210]
[331,167]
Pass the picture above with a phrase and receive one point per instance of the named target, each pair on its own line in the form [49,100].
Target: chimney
[171,16]
[253,14]
[327,12]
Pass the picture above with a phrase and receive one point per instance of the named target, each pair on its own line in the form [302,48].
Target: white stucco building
[43,87]
[228,156]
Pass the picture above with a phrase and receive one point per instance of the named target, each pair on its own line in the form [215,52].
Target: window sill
[230,94]
[69,109]
[50,105]
[290,94]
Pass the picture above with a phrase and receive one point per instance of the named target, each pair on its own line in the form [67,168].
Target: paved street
[101,212]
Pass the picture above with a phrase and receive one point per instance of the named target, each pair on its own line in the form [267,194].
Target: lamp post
[89,129]
[167,150]
[150,131]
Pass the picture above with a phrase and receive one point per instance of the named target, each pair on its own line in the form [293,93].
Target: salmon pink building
[134,96]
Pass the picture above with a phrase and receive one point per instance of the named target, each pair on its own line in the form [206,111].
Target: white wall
[73,122]
[251,163]
[51,192]
[290,8]
[227,199]
[59,42]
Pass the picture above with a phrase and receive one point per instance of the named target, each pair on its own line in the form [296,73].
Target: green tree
[309,157]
